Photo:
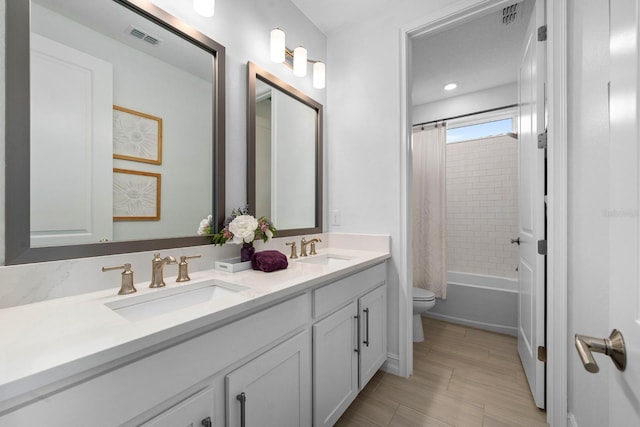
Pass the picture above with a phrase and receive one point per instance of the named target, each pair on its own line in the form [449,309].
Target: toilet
[423,300]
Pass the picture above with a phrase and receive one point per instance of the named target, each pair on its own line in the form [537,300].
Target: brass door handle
[613,347]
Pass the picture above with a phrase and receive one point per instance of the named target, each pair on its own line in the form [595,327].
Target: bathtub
[484,302]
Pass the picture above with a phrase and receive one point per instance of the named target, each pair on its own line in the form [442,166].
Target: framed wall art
[136,195]
[136,136]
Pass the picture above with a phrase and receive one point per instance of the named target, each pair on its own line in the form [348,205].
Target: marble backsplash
[30,283]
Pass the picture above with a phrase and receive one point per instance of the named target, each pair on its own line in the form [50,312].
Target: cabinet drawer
[340,292]
[190,412]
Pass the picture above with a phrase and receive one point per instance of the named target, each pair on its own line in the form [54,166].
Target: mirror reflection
[285,146]
[128,130]
[121,126]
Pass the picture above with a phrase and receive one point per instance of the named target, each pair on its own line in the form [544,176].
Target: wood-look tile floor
[461,377]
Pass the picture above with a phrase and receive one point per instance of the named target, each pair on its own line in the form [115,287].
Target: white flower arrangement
[239,228]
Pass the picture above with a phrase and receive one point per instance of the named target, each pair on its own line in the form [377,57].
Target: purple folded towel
[268,261]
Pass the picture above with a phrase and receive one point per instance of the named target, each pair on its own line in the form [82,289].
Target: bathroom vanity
[288,348]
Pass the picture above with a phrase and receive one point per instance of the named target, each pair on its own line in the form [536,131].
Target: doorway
[557,245]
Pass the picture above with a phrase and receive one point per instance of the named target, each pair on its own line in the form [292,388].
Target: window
[479,130]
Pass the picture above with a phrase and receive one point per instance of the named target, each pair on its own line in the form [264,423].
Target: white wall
[588,227]
[243,27]
[495,97]
[364,131]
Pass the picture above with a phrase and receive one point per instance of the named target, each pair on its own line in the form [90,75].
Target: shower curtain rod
[490,110]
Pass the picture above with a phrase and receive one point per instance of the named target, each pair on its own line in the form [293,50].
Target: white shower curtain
[429,209]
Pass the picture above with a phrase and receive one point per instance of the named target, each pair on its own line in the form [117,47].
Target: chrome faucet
[157,264]
[303,246]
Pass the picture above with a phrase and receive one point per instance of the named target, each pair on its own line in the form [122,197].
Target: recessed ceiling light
[450,86]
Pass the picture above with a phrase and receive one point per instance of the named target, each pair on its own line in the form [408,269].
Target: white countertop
[48,342]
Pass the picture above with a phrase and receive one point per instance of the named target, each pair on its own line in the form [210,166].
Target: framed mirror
[284,153]
[115,130]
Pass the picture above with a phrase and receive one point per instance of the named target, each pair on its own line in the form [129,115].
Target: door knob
[516,241]
[613,347]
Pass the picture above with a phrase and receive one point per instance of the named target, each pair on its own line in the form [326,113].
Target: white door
[274,389]
[373,333]
[622,212]
[293,149]
[335,365]
[71,148]
[531,226]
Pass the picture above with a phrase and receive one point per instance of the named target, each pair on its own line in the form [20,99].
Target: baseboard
[507,330]
[392,365]
[572,420]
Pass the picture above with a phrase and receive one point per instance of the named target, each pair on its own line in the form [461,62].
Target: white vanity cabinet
[349,345]
[273,389]
[154,388]
[295,360]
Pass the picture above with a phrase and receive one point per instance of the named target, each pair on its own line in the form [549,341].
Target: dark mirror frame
[256,73]
[17,137]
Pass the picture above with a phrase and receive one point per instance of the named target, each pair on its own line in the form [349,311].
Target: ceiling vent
[510,13]
[142,35]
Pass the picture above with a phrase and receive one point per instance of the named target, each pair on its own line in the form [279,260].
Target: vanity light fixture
[319,75]
[450,86]
[296,59]
[277,45]
[300,62]
[204,8]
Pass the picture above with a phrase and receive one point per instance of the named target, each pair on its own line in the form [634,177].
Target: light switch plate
[335,217]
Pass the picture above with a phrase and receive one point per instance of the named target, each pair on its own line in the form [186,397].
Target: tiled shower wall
[482,206]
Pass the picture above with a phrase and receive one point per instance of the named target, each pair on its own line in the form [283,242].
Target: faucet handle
[294,253]
[313,246]
[126,287]
[183,272]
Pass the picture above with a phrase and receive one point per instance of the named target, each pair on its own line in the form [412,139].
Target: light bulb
[277,45]
[204,8]
[300,62]
[319,75]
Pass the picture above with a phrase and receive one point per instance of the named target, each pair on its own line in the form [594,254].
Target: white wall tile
[482,202]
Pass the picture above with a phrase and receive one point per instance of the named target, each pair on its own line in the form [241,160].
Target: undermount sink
[164,301]
[327,259]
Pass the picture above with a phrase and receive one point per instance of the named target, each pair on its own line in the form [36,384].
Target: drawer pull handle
[366,341]
[357,349]
[206,422]
[243,401]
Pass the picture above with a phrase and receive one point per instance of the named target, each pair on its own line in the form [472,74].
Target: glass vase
[247,251]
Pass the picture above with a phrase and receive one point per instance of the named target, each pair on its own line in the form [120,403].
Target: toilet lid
[420,294]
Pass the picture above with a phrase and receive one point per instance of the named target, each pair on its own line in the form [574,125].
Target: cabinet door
[373,333]
[335,370]
[274,389]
